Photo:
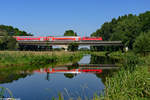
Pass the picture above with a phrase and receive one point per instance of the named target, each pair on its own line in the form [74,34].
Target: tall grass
[132,82]
[129,86]
[17,58]
[3,91]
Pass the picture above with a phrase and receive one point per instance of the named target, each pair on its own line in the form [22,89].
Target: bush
[73,47]
[142,43]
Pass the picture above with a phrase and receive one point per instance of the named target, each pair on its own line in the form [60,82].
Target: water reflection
[10,74]
[83,78]
[102,60]
[72,70]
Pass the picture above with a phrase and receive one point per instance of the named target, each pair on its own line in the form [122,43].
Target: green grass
[129,86]
[12,58]
[132,82]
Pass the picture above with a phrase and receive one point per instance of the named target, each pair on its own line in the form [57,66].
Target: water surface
[81,79]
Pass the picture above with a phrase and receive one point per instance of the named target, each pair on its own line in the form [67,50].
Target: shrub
[142,43]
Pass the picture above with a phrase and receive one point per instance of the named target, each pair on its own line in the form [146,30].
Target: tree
[72,46]
[70,33]
[11,31]
[3,42]
[12,43]
[3,32]
[8,42]
[142,43]
[126,28]
[6,39]
[145,21]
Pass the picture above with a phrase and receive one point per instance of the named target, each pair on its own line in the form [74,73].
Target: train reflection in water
[76,69]
[72,71]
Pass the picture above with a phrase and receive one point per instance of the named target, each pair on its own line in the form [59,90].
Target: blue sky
[53,17]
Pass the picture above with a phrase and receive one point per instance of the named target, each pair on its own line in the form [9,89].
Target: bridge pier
[64,46]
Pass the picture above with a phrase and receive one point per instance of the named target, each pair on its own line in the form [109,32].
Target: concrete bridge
[91,43]
[64,44]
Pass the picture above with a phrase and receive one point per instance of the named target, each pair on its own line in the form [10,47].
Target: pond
[83,79]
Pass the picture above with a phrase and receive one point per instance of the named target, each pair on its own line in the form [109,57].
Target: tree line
[7,42]
[132,30]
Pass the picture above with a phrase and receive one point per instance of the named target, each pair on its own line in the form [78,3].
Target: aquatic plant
[3,90]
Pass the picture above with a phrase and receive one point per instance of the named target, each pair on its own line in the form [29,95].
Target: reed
[132,82]
[3,90]
[129,86]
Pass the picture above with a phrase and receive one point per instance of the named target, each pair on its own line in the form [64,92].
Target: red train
[92,38]
[52,38]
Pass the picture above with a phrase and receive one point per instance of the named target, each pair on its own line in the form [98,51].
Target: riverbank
[132,82]
[21,58]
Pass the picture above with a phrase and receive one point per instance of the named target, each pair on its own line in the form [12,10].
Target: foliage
[70,33]
[142,43]
[11,31]
[7,41]
[145,21]
[73,47]
[125,28]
